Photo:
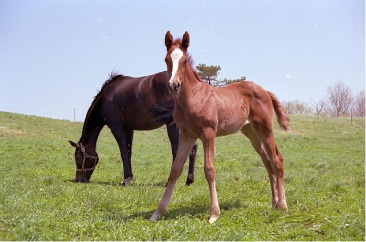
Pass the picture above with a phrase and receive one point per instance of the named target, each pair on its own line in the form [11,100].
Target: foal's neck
[192,83]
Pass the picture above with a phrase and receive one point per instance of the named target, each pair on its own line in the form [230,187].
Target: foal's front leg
[210,174]
[184,148]
[173,134]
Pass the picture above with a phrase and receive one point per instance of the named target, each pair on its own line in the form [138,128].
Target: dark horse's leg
[192,162]
[124,139]
[173,134]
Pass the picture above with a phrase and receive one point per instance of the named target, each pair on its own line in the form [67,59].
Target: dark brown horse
[126,104]
[204,112]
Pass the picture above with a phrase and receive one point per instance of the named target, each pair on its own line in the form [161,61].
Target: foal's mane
[193,68]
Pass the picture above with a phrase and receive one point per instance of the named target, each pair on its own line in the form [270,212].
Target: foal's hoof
[281,206]
[213,219]
[154,217]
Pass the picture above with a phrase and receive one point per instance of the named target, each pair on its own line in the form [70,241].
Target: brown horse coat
[204,112]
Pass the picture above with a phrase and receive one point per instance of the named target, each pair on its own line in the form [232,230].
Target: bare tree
[339,100]
[359,104]
[320,107]
[297,107]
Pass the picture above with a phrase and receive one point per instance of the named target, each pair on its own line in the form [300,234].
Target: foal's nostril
[173,86]
[176,86]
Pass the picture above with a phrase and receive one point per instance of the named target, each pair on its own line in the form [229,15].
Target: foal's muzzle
[173,87]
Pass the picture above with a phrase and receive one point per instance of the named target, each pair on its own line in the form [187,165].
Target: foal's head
[176,60]
[85,163]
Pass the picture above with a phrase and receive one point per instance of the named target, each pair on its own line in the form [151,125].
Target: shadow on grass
[113,184]
[138,184]
[116,184]
[191,210]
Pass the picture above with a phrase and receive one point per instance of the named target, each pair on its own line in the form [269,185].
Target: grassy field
[325,185]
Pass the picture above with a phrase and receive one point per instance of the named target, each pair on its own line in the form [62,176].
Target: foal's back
[237,104]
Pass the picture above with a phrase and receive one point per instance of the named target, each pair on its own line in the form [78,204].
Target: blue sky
[55,55]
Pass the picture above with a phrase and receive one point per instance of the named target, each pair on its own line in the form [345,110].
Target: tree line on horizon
[339,101]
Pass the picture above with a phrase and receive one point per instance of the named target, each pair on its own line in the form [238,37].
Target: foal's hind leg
[273,162]
[277,166]
[257,145]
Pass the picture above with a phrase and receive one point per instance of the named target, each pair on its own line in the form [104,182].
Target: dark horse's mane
[112,77]
[92,116]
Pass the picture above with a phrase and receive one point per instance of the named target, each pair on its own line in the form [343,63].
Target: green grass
[325,185]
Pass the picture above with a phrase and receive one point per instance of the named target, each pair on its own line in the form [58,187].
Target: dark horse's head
[86,161]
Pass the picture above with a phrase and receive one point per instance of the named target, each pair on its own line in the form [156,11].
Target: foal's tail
[282,116]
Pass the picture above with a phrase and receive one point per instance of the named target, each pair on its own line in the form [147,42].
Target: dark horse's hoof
[189,182]
[127,181]
[190,179]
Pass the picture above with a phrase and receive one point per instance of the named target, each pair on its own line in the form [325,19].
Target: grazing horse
[126,104]
[204,112]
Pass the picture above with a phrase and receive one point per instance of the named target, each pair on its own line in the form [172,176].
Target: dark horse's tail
[282,116]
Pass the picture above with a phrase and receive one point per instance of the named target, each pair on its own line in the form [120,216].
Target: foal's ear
[73,144]
[185,41]
[168,40]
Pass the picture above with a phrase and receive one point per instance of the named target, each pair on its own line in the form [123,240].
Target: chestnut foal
[204,112]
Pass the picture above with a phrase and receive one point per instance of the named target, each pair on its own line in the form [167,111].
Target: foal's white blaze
[176,55]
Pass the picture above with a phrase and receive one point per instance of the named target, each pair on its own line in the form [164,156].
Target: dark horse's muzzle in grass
[85,163]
